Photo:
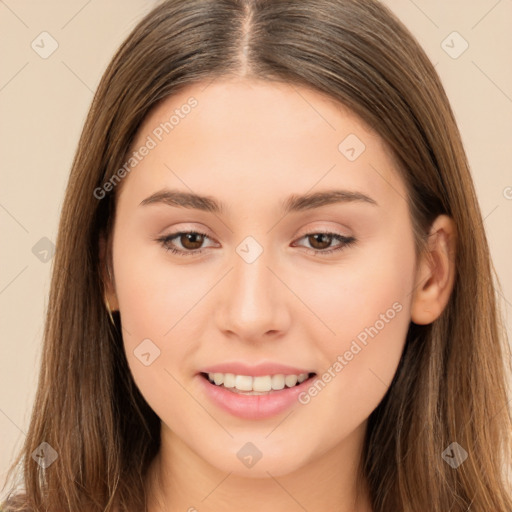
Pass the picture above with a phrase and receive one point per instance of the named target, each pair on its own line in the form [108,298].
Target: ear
[435,275]
[107,274]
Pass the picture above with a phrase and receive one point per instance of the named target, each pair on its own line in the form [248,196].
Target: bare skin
[250,145]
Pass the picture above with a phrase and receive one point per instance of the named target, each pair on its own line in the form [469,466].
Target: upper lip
[239,368]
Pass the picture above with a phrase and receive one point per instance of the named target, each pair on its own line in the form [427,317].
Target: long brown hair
[451,383]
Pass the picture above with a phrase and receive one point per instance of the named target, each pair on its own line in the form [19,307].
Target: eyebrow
[294,203]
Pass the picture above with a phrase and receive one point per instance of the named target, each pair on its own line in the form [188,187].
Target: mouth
[257,385]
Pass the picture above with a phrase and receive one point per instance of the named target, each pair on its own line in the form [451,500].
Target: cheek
[368,295]
[154,295]
[154,300]
[368,311]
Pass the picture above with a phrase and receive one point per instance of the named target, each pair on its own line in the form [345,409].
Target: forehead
[247,139]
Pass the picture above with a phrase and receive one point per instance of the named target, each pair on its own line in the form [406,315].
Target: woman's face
[264,298]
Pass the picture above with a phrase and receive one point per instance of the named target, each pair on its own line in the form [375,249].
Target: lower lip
[253,407]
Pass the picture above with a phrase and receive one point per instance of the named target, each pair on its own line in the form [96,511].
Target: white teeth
[229,380]
[290,380]
[218,378]
[243,383]
[260,384]
[278,382]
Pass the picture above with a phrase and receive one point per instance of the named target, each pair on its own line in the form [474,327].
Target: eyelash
[345,242]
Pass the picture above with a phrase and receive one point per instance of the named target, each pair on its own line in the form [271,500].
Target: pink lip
[254,370]
[253,407]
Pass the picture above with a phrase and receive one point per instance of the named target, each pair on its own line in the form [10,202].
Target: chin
[258,459]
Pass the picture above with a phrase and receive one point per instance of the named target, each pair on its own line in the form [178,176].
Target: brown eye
[191,241]
[184,243]
[320,241]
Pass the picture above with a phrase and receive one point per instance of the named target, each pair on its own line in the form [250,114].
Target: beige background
[44,101]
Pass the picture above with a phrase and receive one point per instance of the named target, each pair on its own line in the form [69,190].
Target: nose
[252,301]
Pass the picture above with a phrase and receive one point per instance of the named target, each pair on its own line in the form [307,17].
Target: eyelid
[335,230]
[343,242]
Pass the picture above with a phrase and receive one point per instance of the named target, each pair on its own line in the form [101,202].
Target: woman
[272,288]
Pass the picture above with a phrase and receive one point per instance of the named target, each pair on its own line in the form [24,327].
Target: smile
[253,397]
[257,385]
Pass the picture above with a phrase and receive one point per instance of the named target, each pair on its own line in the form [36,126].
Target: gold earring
[107,305]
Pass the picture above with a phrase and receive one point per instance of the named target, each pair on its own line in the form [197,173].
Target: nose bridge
[253,303]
